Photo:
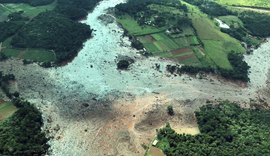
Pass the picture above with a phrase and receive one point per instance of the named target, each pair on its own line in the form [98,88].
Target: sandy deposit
[92,109]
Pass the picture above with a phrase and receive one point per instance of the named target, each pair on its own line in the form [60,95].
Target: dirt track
[90,108]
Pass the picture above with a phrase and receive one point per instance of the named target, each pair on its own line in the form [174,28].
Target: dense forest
[53,31]
[75,9]
[10,27]
[226,129]
[257,23]
[133,7]
[56,30]
[21,134]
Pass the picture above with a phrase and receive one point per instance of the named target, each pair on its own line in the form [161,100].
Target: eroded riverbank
[90,108]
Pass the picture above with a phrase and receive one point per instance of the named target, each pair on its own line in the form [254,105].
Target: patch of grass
[38,55]
[193,40]
[182,42]
[206,29]
[165,9]
[205,60]
[6,110]
[151,47]
[253,3]
[193,61]
[231,21]
[134,28]
[214,49]
[28,10]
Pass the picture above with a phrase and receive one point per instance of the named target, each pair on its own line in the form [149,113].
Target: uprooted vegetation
[226,129]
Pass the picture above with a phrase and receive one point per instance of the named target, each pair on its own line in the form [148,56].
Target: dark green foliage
[240,68]
[8,29]
[136,44]
[242,35]
[123,65]
[257,23]
[75,9]
[53,31]
[132,7]
[3,57]
[226,130]
[4,83]
[210,8]
[170,110]
[30,2]
[21,134]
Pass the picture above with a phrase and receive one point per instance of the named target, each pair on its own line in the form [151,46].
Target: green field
[253,3]
[29,11]
[231,21]
[217,45]
[134,28]
[6,110]
[208,45]
[38,55]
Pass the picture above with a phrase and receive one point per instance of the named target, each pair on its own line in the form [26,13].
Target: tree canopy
[226,129]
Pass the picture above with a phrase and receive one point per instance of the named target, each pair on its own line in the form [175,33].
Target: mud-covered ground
[91,109]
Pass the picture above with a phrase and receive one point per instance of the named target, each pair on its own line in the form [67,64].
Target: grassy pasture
[165,9]
[253,3]
[134,28]
[29,11]
[217,45]
[214,49]
[38,55]
[231,21]
[6,109]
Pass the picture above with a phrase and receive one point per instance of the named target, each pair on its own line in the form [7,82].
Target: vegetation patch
[253,3]
[52,31]
[168,28]
[47,30]
[6,110]
[226,129]
[21,133]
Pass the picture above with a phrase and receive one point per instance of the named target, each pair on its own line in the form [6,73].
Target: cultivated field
[202,44]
